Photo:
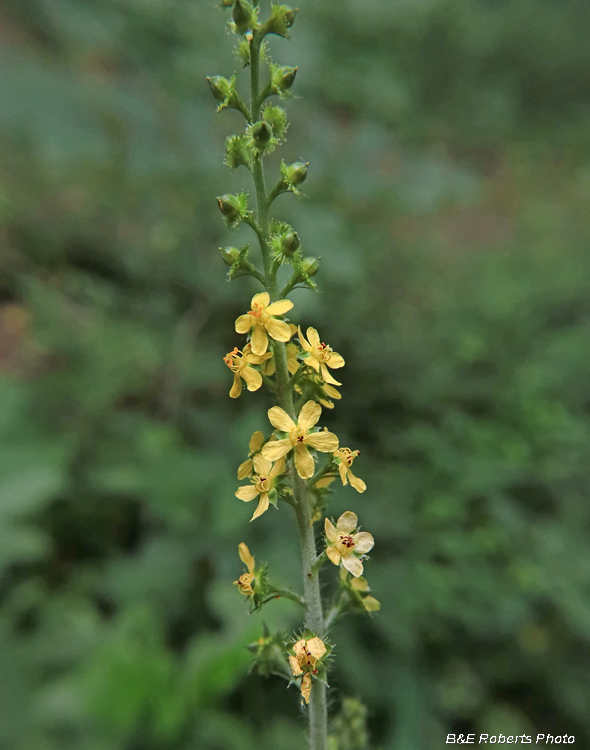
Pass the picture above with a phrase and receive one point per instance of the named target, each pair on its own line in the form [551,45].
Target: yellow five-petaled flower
[260,319]
[344,547]
[246,582]
[346,457]
[320,355]
[239,363]
[262,483]
[304,662]
[299,437]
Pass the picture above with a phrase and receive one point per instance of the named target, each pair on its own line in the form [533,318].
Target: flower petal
[278,329]
[259,340]
[333,555]
[277,469]
[254,359]
[303,341]
[331,532]
[280,308]
[262,300]
[357,483]
[303,461]
[243,323]
[322,441]
[246,557]
[236,389]
[276,449]
[245,469]
[336,360]
[252,378]
[280,419]
[306,687]
[343,471]
[256,441]
[247,492]
[371,604]
[327,377]
[262,465]
[299,648]
[316,647]
[313,336]
[262,506]
[363,542]
[347,522]
[332,392]
[295,668]
[360,584]
[353,565]
[309,415]
[312,362]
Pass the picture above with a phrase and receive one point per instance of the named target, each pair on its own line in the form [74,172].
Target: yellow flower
[262,483]
[246,468]
[239,363]
[304,662]
[299,437]
[346,457]
[344,546]
[245,583]
[320,355]
[293,363]
[369,602]
[260,318]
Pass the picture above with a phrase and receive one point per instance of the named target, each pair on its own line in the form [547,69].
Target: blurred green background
[449,143]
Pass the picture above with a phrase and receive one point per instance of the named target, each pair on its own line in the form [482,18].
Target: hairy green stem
[318,722]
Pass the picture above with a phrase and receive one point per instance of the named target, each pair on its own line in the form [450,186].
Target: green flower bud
[297,172]
[220,87]
[311,266]
[290,242]
[229,206]
[283,77]
[243,16]
[230,255]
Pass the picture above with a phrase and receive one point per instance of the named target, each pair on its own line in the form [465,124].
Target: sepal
[282,78]
[276,117]
[282,17]
[237,152]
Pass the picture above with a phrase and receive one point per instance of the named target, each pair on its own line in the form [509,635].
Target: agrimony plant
[293,461]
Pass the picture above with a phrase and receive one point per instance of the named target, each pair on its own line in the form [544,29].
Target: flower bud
[229,207]
[230,255]
[220,87]
[311,266]
[261,133]
[243,16]
[283,77]
[290,242]
[297,172]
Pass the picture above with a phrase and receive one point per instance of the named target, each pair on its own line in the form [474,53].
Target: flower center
[263,484]
[347,540]
[234,360]
[260,316]
[322,352]
[297,435]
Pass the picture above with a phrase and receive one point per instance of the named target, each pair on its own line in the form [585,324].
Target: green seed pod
[230,255]
[281,19]
[228,205]
[243,16]
[290,242]
[261,133]
[283,77]
[220,87]
[311,266]
[297,172]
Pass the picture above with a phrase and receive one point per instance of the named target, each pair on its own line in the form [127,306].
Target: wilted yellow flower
[245,582]
[246,468]
[344,547]
[304,662]
[320,355]
[239,363]
[262,483]
[299,437]
[260,318]
[346,457]
[369,602]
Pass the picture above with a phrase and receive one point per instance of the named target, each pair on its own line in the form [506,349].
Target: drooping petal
[236,389]
[327,377]
[371,604]
[312,362]
[360,584]
[243,323]
[363,542]
[306,687]
[262,300]
[277,469]
[278,329]
[280,308]
[324,482]
[262,465]
[295,668]
[245,469]
[256,441]
[336,360]
[280,419]
[353,565]
[262,506]
[330,530]
[332,392]
[246,557]
[303,461]
[357,483]
[276,449]
[259,340]
[246,493]
[316,647]
[292,365]
[313,336]
[303,341]
[309,415]
[252,378]
[333,555]
[322,441]
[347,522]
[343,471]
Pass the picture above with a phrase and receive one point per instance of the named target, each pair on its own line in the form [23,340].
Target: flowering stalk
[283,467]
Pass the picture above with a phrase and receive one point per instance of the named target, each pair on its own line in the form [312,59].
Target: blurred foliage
[450,169]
